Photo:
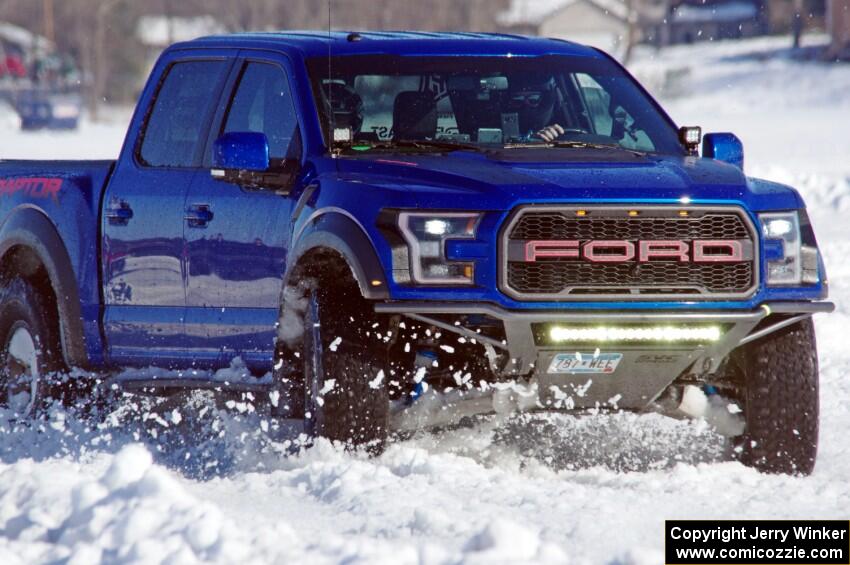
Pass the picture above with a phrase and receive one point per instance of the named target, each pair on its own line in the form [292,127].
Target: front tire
[781,401]
[345,386]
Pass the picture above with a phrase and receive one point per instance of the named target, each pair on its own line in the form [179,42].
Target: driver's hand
[550,133]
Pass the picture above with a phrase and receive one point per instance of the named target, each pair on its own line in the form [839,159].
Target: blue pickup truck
[371,217]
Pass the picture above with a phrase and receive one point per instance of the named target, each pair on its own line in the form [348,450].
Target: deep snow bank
[134,511]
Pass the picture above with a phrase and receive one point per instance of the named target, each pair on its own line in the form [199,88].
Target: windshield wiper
[439,144]
[574,145]
[448,145]
[434,144]
[588,145]
[571,144]
[583,144]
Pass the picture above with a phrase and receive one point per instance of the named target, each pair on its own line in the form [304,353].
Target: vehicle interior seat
[414,115]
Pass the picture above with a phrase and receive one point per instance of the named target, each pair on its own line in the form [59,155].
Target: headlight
[789,262]
[426,235]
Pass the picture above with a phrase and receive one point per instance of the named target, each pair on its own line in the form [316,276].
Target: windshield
[376,102]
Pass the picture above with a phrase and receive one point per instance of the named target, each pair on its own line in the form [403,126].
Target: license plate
[582,363]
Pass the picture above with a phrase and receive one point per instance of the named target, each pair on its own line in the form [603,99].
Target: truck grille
[561,268]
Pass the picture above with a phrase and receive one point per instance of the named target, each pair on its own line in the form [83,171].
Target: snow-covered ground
[185,481]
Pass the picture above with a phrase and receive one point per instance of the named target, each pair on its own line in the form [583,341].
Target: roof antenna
[330,83]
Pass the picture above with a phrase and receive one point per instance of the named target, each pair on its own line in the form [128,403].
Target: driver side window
[598,101]
[610,119]
[263,104]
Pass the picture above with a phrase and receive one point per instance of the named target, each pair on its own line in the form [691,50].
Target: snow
[187,479]
[93,140]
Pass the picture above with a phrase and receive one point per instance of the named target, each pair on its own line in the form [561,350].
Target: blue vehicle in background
[370,217]
[47,109]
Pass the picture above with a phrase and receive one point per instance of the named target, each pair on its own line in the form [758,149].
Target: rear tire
[30,348]
[781,401]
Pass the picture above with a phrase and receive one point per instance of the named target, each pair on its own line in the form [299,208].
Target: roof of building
[535,12]
[319,43]
[23,37]
[160,30]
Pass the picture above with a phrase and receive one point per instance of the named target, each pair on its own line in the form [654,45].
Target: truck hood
[500,180]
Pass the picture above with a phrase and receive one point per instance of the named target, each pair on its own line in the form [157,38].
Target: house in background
[838,26]
[156,32]
[780,15]
[733,19]
[605,23]
[601,23]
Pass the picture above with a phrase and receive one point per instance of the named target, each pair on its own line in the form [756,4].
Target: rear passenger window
[263,104]
[172,135]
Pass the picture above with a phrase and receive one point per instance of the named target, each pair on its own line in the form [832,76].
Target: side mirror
[724,147]
[243,158]
[241,150]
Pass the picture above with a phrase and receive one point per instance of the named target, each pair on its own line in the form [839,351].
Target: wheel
[780,373]
[344,369]
[30,348]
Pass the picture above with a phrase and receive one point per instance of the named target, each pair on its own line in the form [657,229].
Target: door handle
[120,214]
[198,215]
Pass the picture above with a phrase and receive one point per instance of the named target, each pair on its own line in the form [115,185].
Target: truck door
[237,243]
[143,216]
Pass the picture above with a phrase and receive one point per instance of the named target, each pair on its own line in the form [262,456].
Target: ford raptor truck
[364,219]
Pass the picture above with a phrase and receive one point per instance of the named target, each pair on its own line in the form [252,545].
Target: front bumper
[645,370]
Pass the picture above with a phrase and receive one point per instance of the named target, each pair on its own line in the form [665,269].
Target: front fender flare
[339,231]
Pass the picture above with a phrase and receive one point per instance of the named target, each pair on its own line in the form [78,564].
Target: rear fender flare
[30,228]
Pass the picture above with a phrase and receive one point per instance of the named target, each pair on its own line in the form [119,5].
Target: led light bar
[635,334]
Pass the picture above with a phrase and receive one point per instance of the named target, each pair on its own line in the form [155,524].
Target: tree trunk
[100,67]
[666,23]
[797,23]
[631,31]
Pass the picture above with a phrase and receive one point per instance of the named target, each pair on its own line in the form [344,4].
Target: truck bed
[55,205]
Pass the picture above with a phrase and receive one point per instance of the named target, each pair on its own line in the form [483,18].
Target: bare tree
[797,22]
[631,31]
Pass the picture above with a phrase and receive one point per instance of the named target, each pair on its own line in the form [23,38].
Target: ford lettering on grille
[551,253]
[620,251]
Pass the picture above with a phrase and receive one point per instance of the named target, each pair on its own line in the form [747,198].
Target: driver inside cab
[534,103]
